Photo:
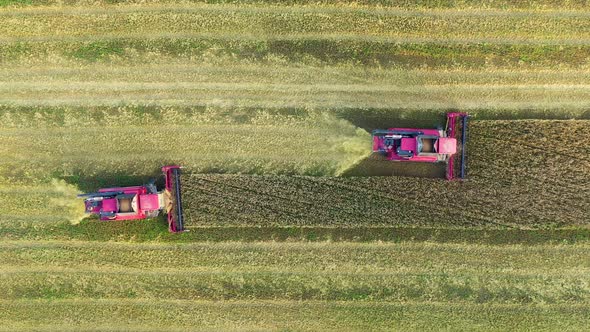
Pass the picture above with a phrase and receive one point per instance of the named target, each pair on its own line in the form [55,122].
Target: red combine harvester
[425,145]
[140,202]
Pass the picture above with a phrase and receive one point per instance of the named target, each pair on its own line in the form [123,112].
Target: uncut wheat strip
[406,204]
[248,200]
[550,194]
[439,202]
[540,144]
[444,202]
[543,180]
[540,141]
[230,206]
[546,136]
[299,200]
[561,200]
[551,162]
[480,193]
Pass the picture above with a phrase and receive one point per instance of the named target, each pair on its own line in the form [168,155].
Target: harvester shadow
[91,228]
[378,165]
[92,182]
[370,119]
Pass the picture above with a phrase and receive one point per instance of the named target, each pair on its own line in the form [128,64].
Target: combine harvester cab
[425,145]
[140,202]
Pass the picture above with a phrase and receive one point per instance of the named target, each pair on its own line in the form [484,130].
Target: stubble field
[268,105]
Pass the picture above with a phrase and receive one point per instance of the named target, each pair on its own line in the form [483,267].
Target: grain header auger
[425,145]
[140,202]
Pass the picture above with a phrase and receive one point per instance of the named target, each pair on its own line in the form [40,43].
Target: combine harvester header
[425,145]
[140,202]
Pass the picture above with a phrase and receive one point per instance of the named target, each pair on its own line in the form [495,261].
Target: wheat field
[268,105]
[301,286]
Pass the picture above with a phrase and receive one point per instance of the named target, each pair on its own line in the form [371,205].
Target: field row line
[224,86]
[297,9]
[176,67]
[41,218]
[359,271]
[309,315]
[187,75]
[390,38]
[150,100]
[7,244]
[38,228]
[261,303]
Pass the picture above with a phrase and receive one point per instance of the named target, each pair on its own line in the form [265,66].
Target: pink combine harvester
[140,202]
[425,145]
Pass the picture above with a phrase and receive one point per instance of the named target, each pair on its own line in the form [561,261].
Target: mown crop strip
[288,20]
[151,315]
[294,271]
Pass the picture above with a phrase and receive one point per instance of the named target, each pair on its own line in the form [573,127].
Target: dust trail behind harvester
[65,197]
[354,149]
[348,143]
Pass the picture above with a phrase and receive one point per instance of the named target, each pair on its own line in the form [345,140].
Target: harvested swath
[225,285]
[123,150]
[526,174]
[117,21]
[309,51]
[50,203]
[254,95]
[50,227]
[303,40]
[455,4]
[154,315]
[378,165]
[236,20]
[294,271]
[31,283]
[274,71]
